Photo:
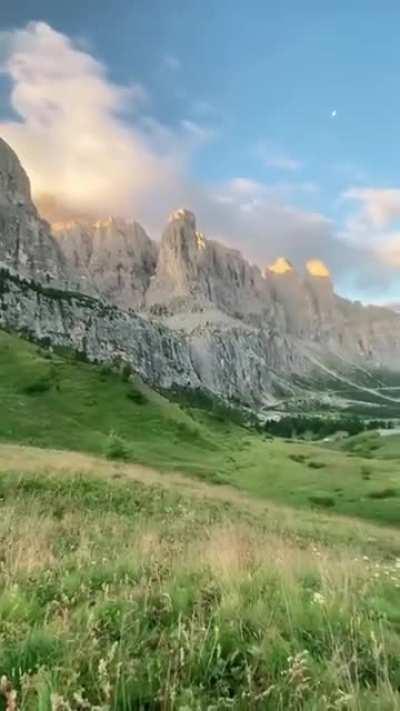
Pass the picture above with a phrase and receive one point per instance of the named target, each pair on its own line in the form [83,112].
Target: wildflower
[318,598]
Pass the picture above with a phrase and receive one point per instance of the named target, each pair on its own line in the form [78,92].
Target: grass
[133,595]
[372,444]
[130,581]
[90,409]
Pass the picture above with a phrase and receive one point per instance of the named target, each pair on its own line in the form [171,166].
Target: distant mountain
[190,312]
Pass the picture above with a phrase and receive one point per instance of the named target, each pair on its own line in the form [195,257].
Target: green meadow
[159,556]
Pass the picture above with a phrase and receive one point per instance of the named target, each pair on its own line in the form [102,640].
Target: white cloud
[381,206]
[370,229]
[73,135]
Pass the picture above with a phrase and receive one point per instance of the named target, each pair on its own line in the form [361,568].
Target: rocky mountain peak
[317,268]
[183,215]
[26,245]
[15,189]
[280,266]
[111,256]
[247,335]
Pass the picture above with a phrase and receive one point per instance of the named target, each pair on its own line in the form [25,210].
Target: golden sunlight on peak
[317,268]
[61,226]
[280,266]
[201,242]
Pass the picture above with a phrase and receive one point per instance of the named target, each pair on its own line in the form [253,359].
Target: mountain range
[188,312]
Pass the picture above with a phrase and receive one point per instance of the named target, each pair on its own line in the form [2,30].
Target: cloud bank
[73,135]
[91,147]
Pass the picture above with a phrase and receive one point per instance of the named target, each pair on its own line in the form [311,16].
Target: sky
[276,123]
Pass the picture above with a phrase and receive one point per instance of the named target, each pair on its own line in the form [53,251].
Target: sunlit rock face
[185,215]
[317,268]
[290,297]
[280,266]
[196,273]
[14,183]
[326,317]
[26,244]
[112,257]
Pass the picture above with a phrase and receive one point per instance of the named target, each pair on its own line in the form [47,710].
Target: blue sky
[255,84]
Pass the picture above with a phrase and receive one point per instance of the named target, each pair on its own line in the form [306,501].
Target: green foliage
[36,387]
[126,372]
[366,472]
[144,580]
[387,493]
[299,458]
[321,500]
[116,447]
[363,444]
[136,396]
[312,427]
[87,402]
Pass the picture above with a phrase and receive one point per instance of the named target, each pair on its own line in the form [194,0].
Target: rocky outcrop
[200,284]
[26,245]
[110,257]
[99,331]
[195,273]
[192,313]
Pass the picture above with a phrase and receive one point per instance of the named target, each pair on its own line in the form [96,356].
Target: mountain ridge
[188,313]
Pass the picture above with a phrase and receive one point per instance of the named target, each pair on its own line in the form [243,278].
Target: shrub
[188,432]
[366,472]
[388,493]
[126,371]
[299,458]
[316,465]
[325,501]
[137,397]
[41,385]
[105,370]
[116,447]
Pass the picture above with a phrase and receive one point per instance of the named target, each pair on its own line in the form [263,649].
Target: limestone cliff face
[195,273]
[205,317]
[26,245]
[291,299]
[98,330]
[110,257]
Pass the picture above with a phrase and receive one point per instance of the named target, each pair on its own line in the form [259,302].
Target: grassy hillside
[130,581]
[120,591]
[50,401]
[372,445]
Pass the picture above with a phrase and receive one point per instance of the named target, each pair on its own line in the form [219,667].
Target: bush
[388,493]
[137,397]
[105,370]
[366,472]
[41,385]
[116,447]
[299,458]
[188,432]
[126,372]
[325,501]
[316,465]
